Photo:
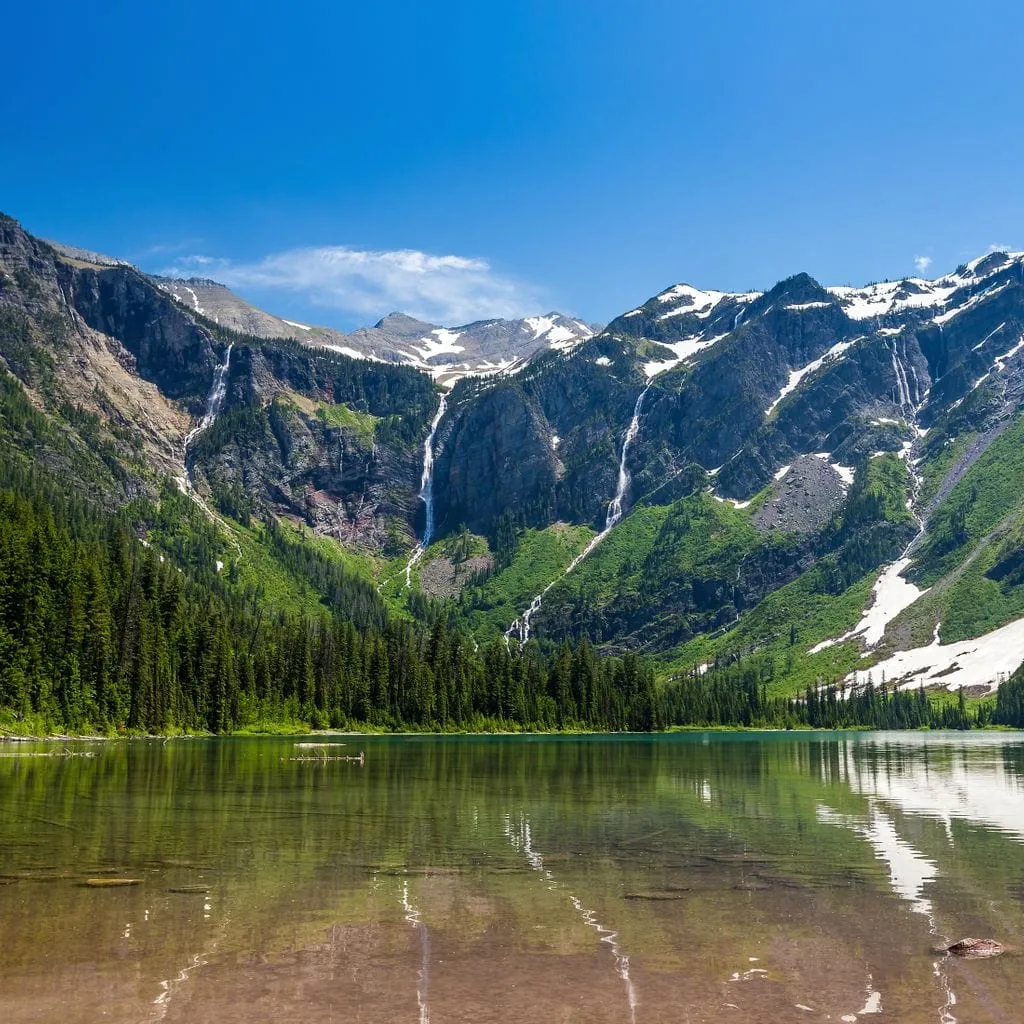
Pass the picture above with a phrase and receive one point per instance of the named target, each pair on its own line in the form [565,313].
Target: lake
[686,878]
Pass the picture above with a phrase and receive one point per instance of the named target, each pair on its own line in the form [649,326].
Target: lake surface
[702,877]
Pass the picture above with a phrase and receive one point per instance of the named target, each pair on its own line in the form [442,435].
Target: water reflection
[520,836]
[753,878]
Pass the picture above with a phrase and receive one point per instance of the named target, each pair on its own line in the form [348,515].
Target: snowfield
[987,661]
[796,376]
[889,596]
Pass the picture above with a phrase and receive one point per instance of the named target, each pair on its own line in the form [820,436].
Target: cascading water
[902,385]
[615,508]
[427,491]
[214,403]
[521,626]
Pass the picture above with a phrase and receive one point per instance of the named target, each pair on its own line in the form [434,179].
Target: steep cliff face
[298,439]
[120,372]
[542,444]
[75,397]
[170,349]
[788,445]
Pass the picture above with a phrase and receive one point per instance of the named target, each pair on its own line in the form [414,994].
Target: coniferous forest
[100,631]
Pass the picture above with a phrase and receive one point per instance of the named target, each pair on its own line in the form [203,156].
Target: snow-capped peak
[558,331]
[690,301]
[889,297]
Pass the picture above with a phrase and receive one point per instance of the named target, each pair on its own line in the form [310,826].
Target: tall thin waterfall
[214,400]
[214,404]
[902,384]
[521,626]
[615,508]
[427,491]
[427,479]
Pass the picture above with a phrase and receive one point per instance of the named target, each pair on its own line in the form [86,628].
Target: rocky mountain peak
[402,325]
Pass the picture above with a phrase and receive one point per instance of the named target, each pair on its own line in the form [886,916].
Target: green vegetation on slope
[541,556]
[990,490]
[341,415]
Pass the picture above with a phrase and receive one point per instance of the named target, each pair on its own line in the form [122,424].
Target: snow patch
[987,336]
[796,376]
[353,353]
[893,296]
[797,307]
[731,501]
[845,473]
[780,473]
[603,361]
[292,323]
[890,595]
[440,342]
[986,661]
[683,350]
[974,300]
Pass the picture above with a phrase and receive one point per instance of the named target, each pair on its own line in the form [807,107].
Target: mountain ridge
[783,461]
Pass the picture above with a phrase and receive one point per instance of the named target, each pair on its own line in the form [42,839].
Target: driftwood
[358,758]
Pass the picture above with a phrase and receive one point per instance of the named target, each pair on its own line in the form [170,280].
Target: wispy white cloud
[922,263]
[442,289]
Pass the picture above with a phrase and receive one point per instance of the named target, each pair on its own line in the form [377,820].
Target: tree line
[101,630]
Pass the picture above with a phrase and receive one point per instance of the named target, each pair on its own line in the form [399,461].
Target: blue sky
[334,161]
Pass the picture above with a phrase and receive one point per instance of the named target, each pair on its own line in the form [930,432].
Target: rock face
[304,433]
[779,431]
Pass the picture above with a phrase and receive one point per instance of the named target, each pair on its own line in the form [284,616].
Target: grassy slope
[541,557]
[766,630]
[978,522]
[796,617]
[991,489]
[618,561]
[342,416]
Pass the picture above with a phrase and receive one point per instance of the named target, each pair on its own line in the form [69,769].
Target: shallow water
[754,877]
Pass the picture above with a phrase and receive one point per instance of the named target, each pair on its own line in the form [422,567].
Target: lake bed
[695,877]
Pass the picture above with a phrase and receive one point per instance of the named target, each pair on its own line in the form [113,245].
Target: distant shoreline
[675,730]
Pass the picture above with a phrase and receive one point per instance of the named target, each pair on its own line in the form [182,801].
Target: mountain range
[826,483]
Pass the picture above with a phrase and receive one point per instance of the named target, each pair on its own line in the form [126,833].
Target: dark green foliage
[737,694]
[1009,708]
[98,630]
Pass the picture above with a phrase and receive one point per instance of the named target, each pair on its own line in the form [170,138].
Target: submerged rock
[976,949]
[671,893]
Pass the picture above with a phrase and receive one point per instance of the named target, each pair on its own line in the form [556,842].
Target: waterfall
[521,626]
[427,479]
[615,508]
[902,386]
[214,400]
[214,403]
[427,492]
